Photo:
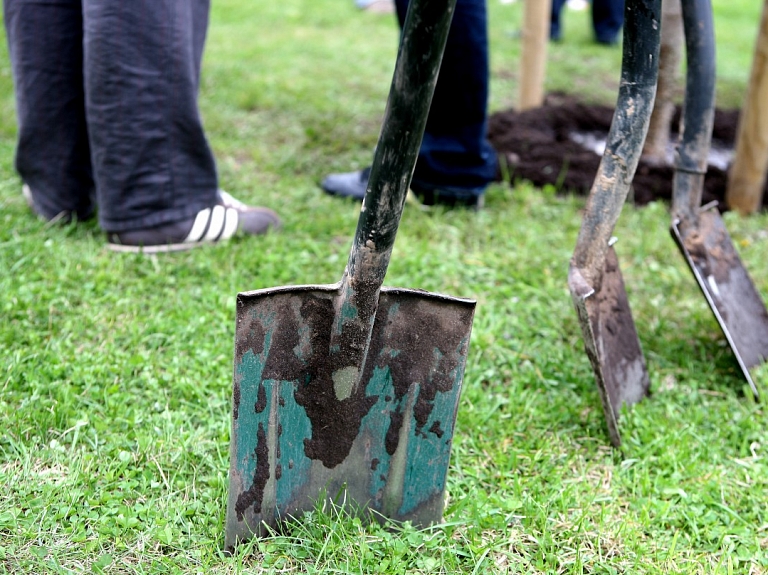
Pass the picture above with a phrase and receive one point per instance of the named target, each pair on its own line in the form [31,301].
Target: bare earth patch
[556,144]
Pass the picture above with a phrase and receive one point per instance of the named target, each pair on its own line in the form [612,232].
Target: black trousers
[607,19]
[455,153]
[106,98]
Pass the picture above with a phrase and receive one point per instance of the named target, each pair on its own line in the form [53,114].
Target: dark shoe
[211,225]
[354,184]
[605,41]
[63,217]
[347,185]
[450,197]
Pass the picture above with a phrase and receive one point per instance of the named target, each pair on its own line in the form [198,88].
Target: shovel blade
[610,340]
[725,283]
[303,431]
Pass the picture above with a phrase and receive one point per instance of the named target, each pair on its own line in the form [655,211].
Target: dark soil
[539,143]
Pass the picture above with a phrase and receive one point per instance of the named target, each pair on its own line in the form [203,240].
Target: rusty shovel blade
[610,340]
[594,277]
[301,431]
[737,306]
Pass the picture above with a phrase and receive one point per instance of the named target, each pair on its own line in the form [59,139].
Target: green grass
[115,381]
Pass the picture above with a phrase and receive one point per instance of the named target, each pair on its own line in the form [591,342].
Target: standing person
[106,99]
[456,161]
[607,20]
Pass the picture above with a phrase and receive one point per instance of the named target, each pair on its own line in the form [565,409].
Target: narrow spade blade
[725,283]
[610,340]
[301,433]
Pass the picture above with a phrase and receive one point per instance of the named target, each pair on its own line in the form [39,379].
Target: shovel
[594,277]
[700,232]
[349,391]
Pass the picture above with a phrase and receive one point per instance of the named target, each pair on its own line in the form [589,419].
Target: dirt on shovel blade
[611,342]
[724,281]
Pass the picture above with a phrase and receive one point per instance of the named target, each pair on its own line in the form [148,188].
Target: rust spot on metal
[261,399]
[255,493]
[374,463]
[620,357]
[250,334]
[707,244]
[436,429]
[235,399]
[392,437]
[281,363]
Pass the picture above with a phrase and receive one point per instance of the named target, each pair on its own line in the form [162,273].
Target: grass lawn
[116,370]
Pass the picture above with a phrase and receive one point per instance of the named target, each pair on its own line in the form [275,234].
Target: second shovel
[594,277]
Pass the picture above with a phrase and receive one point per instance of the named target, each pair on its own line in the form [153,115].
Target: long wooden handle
[533,61]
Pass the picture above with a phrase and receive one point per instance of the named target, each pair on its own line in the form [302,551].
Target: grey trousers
[106,98]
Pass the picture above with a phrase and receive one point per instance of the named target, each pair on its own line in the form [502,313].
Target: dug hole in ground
[561,142]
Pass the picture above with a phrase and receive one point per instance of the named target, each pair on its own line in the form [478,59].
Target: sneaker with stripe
[211,225]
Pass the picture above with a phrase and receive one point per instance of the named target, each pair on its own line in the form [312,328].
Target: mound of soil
[541,145]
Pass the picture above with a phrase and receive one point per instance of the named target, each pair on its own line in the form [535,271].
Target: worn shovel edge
[581,291]
[678,237]
[331,288]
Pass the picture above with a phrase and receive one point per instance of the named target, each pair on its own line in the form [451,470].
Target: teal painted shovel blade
[351,388]
[298,434]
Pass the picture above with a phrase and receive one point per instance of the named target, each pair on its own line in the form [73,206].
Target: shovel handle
[422,42]
[699,110]
[634,105]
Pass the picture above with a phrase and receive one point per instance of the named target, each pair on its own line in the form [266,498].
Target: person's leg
[555,31]
[455,157]
[455,161]
[151,160]
[155,174]
[52,157]
[607,20]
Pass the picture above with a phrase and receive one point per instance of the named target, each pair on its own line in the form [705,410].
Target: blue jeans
[607,19]
[106,99]
[455,156]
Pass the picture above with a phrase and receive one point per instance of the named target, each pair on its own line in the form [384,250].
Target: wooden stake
[747,175]
[534,57]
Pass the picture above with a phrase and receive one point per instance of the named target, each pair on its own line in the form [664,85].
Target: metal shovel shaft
[637,91]
[423,40]
[699,111]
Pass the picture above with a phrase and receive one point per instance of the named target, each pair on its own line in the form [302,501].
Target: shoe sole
[160,249]
[63,217]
